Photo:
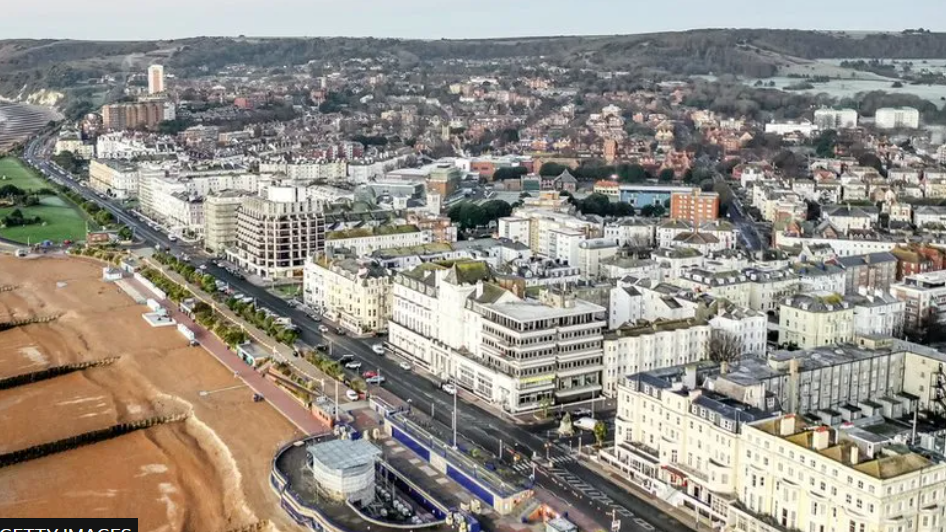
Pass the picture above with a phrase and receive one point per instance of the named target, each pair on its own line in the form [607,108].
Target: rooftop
[363,232]
[532,310]
[344,454]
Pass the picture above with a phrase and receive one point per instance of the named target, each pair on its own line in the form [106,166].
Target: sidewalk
[684,517]
[297,414]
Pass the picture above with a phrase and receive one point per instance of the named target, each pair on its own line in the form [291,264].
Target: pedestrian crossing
[595,495]
[526,467]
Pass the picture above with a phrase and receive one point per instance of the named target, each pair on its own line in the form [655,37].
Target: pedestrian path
[297,414]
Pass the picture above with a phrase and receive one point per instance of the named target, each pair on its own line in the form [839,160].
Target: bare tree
[724,346]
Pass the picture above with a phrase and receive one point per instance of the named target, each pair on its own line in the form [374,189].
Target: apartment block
[276,234]
[695,206]
[813,320]
[363,241]
[354,293]
[114,178]
[925,297]
[652,345]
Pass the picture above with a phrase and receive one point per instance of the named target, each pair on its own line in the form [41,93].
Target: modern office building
[277,233]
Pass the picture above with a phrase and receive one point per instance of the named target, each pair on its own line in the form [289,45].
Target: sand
[208,473]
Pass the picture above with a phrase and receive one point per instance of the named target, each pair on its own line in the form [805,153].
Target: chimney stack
[855,454]
[820,438]
[786,426]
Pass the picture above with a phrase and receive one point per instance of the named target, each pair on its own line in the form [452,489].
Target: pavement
[475,423]
[290,408]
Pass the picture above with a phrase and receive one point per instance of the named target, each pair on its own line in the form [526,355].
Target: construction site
[106,415]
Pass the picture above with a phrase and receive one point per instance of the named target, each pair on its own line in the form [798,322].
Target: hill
[29,65]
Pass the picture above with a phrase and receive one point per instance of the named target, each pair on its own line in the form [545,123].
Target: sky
[435,19]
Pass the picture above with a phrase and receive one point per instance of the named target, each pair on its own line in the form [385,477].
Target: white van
[585,423]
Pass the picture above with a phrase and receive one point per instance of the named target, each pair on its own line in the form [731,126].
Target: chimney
[689,377]
[723,367]
[786,425]
[820,438]
[855,454]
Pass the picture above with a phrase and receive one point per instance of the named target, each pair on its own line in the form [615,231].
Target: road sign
[616,525]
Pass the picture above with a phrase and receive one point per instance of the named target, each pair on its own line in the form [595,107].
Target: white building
[631,232]
[897,118]
[114,178]
[277,233]
[877,313]
[514,353]
[797,476]
[652,345]
[925,298]
[836,118]
[803,127]
[356,294]
[625,306]
[593,253]
[749,327]
[364,241]
[768,287]
[309,170]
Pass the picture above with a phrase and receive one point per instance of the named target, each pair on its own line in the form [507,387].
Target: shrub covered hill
[30,65]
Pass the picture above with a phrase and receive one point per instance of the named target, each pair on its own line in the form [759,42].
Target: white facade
[626,305]
[804,128]
[748,326]
[878,314]
[632,233]
[355,295]
[365,241]
[114,178]
[309,170]
[650,346]
[897,118]
[836,118]
[515,229]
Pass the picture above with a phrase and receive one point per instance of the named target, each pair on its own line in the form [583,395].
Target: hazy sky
[150,19]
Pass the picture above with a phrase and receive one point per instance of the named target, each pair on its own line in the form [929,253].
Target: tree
[666,175]
[631,173]
[104,218]
[125,233]
[653,211]
[552,169]
[510,172]
[601,432]
[871,160]
[496,209]
[724,346]
[826,142]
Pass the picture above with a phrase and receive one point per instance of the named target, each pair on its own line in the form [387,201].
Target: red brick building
[695,207]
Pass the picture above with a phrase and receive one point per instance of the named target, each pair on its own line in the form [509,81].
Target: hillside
[28,65]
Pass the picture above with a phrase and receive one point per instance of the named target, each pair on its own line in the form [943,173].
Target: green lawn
[61,221]
[13,172]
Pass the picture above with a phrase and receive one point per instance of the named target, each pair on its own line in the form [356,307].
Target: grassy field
[13,172]
[61,219]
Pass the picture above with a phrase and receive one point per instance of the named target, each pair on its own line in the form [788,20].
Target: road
[738,216]
[474,423]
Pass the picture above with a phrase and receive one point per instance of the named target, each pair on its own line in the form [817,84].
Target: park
[58,218]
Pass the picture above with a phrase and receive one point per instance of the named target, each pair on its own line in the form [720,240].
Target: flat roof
[344,454]
[529,310]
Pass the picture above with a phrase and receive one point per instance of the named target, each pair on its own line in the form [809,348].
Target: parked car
[369,374]
[586,423]
[323,329]
[449,388]
[582,412]
[378,348]
[354,364]
[377,379]
[339,331]
[346,358]
[406,366]
[352,395]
